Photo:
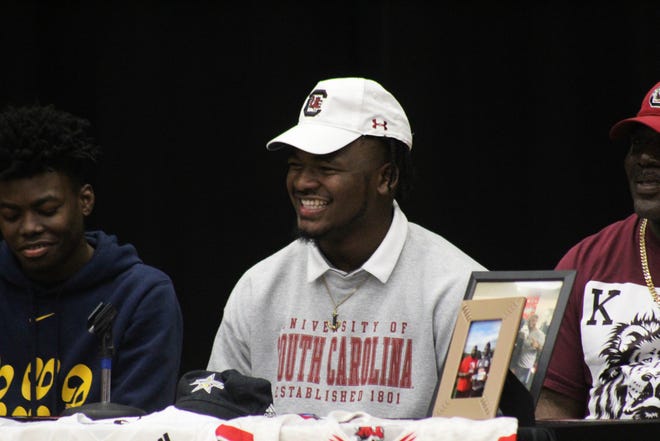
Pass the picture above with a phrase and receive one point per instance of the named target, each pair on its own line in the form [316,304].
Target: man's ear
[86,198]
[388,179]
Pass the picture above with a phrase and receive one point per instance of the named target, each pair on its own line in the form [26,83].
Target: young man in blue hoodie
[54,273]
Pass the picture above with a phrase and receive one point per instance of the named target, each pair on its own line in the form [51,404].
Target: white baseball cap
[340,110]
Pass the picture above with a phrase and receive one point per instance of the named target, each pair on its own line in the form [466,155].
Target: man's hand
[555,406]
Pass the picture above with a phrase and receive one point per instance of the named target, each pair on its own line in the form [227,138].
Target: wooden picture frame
[547,293]
[489,321]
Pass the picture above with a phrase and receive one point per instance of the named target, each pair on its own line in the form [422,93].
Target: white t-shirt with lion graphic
[607,352]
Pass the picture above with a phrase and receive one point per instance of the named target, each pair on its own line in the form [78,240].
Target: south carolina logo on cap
[648,115]
[654,99]
[314,102]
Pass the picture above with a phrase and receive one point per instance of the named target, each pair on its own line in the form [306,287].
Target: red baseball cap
[649,115]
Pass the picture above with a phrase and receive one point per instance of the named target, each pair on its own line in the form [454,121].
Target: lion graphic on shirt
[629,386]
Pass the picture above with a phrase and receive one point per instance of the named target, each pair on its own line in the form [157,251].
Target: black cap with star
[226,395]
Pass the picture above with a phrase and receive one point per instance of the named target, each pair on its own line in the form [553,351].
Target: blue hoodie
[49,325]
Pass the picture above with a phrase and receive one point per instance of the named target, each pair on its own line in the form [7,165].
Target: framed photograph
[546,293]
[478,358]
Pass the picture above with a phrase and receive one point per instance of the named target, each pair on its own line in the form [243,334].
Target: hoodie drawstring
[35,351]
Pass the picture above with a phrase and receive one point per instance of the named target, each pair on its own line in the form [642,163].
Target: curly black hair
[37,139]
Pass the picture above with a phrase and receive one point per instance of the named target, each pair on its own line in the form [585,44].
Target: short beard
[299,234]
[307,237]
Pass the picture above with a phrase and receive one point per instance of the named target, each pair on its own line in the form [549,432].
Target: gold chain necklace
[335,315]
[645,261]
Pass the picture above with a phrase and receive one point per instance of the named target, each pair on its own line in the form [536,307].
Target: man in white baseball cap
[340,110]
[355,314]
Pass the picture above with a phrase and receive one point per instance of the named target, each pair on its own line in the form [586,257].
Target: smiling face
[341,196]
[642,165]
[42,221]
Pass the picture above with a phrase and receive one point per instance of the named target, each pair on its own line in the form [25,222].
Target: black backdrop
[510,108]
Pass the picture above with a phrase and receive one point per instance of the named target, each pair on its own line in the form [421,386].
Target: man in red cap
[606,359]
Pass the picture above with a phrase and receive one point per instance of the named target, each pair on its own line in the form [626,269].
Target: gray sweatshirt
[387,353]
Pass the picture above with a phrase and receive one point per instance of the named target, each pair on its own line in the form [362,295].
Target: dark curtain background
[510,107]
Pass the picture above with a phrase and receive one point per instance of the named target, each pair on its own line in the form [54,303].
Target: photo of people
[528,346]
[477,357]
[537,316]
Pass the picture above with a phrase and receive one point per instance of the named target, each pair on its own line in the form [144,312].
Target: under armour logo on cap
[375,124]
